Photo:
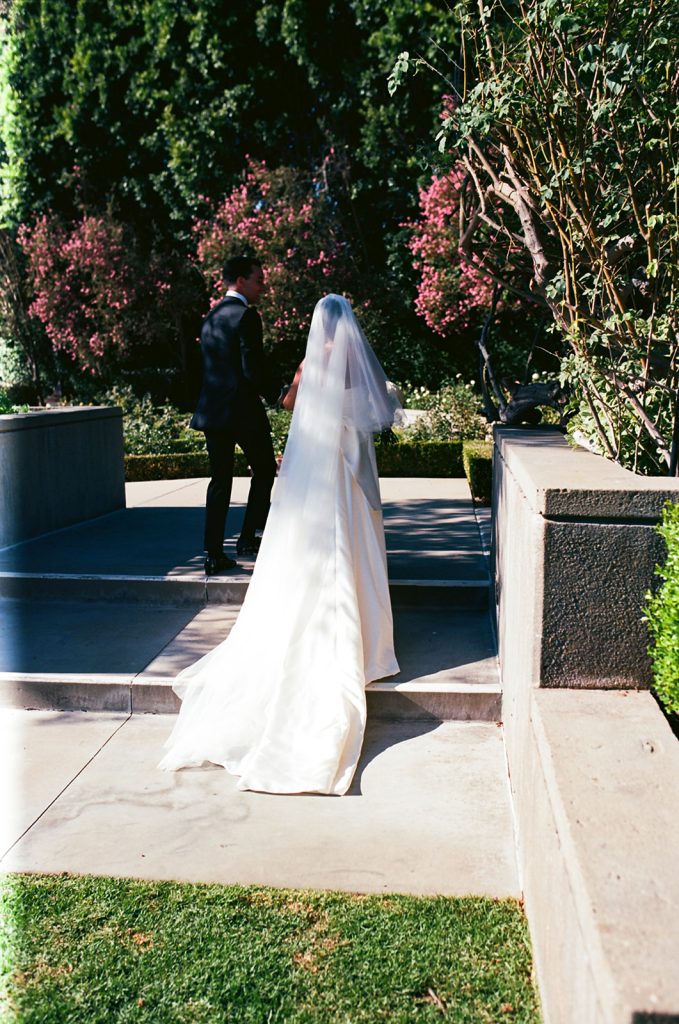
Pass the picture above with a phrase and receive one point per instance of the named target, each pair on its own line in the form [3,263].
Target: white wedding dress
[281,702]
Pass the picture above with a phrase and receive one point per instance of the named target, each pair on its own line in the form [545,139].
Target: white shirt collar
[233,294]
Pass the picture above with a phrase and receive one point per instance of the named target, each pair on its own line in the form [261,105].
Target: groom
[230,411]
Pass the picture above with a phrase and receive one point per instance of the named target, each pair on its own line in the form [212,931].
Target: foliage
[279,421]
[403,458]
[419,458]
[455,295]
[565,125]
[477,458]
[344,49]
[132,94]
[8,405]
[662,614]
[454,411]
[94,299]
[288,221]
[103,949]
[175,466]
[150,429]
[452,293]
[147,112]
[25,351]
[408,353]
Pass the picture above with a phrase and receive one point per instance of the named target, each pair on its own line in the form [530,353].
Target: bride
[281,702]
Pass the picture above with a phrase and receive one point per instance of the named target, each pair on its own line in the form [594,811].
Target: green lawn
[107,950]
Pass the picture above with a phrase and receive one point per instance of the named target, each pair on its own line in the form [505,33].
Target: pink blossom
[452,292]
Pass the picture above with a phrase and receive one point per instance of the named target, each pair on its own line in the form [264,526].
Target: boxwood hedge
[397,458]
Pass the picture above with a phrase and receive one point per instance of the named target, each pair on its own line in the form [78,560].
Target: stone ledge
[596,788]
[560,481]
[57,417]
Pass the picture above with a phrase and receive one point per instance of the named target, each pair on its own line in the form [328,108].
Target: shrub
[662,615]
[181,466]
[150,429]
[419,458]
[454,411]
[289,222]
[93,294]
[404,458]
[477,459]
[8,405]
[279,421]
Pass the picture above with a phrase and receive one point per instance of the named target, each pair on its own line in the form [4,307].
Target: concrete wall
[594,766]
[59,467]
[574,548]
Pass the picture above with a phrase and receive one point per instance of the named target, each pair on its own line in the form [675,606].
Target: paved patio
[429,810]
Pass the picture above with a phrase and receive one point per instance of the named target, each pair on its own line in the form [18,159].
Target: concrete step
[197,589]
[123,657]
[387,700]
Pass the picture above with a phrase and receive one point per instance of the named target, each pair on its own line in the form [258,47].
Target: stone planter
[593,764]
[59,467]
[574,549]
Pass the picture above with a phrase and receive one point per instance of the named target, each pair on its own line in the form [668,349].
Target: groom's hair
[239,266]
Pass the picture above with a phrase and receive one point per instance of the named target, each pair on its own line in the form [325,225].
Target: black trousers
[255,441]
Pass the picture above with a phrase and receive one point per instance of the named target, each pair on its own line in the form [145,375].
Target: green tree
[154,104]
[149,109]
[565,124]
[346,49]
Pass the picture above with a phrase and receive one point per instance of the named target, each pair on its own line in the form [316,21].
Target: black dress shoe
[215,564]
[247,547]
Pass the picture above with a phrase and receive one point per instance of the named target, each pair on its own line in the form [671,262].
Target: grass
[80,949]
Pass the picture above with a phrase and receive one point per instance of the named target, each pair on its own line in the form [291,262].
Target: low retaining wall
[594,767]
[59,467]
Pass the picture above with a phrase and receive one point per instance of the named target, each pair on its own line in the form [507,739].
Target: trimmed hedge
[477,458]
[174,467]
[662,615]
[398,458]
[419,458]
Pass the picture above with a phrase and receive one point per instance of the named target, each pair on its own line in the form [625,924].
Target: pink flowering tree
[95,298]
[453,294]
[459,297]
[288,222]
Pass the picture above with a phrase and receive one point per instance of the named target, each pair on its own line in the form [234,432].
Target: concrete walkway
[102,615]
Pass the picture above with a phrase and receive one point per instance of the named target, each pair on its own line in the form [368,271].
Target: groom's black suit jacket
[235,373]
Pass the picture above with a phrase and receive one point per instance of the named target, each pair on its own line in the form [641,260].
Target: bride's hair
[331,311]
[342,375]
